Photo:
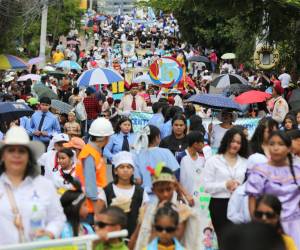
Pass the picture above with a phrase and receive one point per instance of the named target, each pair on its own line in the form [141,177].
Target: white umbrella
[48,68]
[228,56]
[33,77]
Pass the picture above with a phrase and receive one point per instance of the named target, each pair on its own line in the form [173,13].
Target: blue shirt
[25,123]
[89,171]
[67,232]
[166,129]
[1,135]
[115,144]
[151,157]
[50,125]
[157,120]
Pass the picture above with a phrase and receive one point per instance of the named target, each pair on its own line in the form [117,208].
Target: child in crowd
[289,123]
[72,128]
[123,192]
[74,205]
[166,221]
[111,219]
[295,136]
[66,169]
[164,186]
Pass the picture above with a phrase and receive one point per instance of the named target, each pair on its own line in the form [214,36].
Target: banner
[141,119]
[128,48]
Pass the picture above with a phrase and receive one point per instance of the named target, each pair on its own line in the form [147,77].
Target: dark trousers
[218,214]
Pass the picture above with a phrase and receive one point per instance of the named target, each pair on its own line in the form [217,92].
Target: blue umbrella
[68,64]
[214,101]
[10,111]
[101,18]
[98,76]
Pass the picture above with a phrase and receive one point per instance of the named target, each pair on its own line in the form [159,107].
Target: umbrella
[67,64]
[294,99]
[11,62]
[98,76]
[252,96]
[225,80]
[228,56]
[72,42]
[43,91]
[36,60]
[10,111]
[143,78]
[101,18]
[214,101]
[32,77]
[237,88]
[199,59]
[48,68]
[56,74]
[62,107]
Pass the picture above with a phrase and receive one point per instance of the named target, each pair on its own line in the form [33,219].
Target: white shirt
[217,172]
[285,79]
[255,159]
[43,192]
[48,161]
[59,181]
[126,103]
[217,135]
[120,192]
[191,173]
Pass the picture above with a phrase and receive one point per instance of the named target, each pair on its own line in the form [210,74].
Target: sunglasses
[102,224]
[268,215]
[166,229]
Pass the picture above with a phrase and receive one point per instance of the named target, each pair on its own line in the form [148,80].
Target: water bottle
[36,218]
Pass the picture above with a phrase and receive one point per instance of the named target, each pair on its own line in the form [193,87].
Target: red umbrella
[252,96]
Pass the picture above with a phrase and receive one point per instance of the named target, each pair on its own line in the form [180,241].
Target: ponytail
[290,157]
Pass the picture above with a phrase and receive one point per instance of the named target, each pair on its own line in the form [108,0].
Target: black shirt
[175,145]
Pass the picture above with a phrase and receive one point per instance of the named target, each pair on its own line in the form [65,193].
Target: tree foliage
[234,25]
[24,31]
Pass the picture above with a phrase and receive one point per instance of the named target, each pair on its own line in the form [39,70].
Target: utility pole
[43,38]
[91,5]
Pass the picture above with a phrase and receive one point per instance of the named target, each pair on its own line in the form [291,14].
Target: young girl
[280,177]
[164,186]
[74,205]
[166,221]
[123,192]
[268,210]
[289,123]
[66,170]
[177,141]
[122,140]
[297,113]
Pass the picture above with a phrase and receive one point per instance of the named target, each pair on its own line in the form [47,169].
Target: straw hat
[18,136]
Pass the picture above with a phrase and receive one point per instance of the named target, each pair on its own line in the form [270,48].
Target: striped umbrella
[11,62]
[225,80]
[98,76]
[68,64]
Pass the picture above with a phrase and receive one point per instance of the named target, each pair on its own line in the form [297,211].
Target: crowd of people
[54,165]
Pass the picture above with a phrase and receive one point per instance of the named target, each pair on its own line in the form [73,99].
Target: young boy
[295,136]
[164,186]
[111,219]
[192,163]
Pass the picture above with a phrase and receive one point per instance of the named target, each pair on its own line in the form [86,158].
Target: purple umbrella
[36,60]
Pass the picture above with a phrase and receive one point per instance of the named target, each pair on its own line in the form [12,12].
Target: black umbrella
[225,80]
[10,111]
[294,100]
[237,88]
[199,59]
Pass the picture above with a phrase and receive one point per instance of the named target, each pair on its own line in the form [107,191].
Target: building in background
[112,7]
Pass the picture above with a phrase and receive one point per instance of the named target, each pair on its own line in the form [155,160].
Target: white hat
[60,137]
[18,136]
[122,157]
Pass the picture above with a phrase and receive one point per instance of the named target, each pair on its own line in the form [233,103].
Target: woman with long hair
[223,173]
[279,177]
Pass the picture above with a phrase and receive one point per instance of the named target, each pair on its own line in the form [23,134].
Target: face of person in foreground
[266,214]
[164,190]
[165,229]
[15,159]
[278,149]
